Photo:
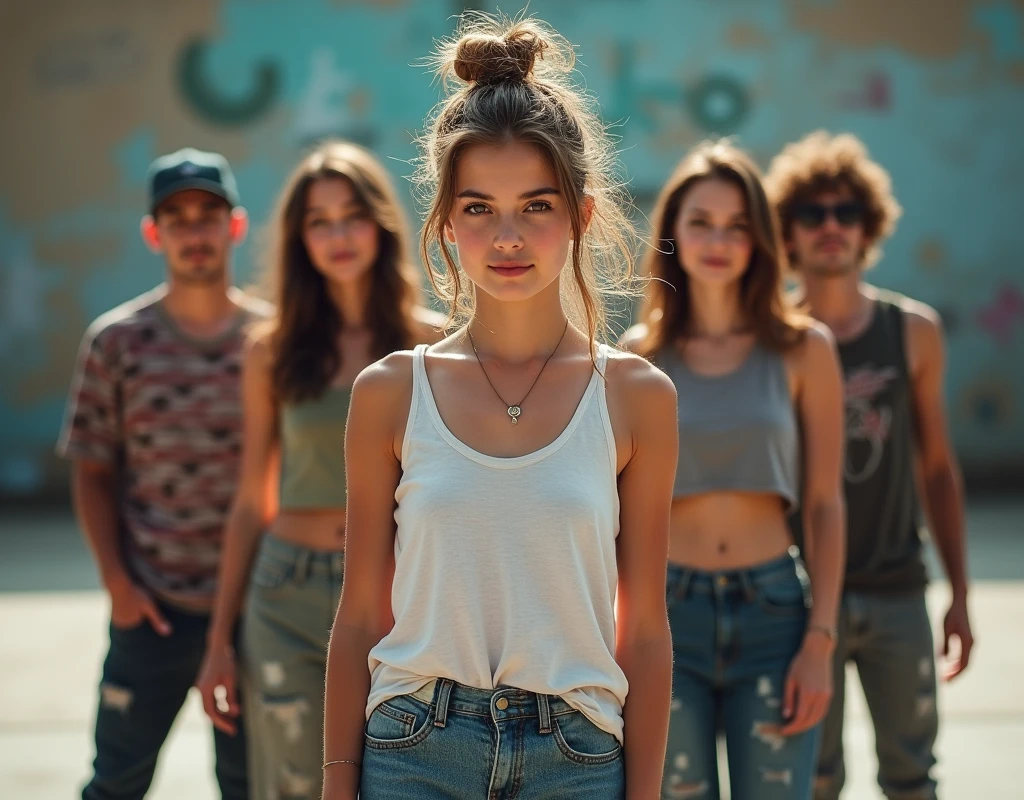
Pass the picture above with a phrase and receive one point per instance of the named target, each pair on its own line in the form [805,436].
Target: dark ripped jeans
[734,634]
[889,639]
[146,678]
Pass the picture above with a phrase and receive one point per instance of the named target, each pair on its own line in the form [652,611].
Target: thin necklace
[516,409]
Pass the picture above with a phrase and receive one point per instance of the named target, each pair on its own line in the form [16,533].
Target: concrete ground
[53,636]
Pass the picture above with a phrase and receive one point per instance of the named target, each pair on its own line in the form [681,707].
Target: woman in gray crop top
[760,394]
[346,294]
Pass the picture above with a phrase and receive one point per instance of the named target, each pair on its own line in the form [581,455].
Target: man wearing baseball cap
[154,431]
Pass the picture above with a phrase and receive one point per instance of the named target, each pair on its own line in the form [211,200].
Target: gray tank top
[738,431]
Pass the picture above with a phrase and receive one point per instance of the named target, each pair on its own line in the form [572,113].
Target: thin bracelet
[829,631]
[342,761]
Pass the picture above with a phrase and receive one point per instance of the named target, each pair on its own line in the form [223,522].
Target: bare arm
[821,415]
[254,506]
[939,471]
[255,502]
[643,643]
[380,399]
[820,407]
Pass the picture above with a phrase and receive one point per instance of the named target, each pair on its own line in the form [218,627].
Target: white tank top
[505,567]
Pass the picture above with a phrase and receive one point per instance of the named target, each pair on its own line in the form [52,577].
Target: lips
[715,263]
[510,269]
[342,255]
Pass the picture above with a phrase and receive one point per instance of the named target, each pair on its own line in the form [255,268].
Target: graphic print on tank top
[868,418]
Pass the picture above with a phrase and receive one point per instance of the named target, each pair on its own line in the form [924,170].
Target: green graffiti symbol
[719,104]
[212,105]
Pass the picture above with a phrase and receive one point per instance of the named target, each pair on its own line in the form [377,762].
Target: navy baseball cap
[191,169]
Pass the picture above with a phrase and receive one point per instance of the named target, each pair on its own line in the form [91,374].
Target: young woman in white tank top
[509,487]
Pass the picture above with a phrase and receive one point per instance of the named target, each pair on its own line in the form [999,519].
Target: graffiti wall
[94,91]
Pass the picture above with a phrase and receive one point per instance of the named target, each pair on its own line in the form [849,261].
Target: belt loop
[544,713]
[749,592]
[684,584]
[444,693]
[302,566]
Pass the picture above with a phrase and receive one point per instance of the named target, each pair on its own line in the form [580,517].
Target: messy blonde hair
[820,163]
[508,80]
[667,309]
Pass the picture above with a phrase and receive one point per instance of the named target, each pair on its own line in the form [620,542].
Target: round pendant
[514,412]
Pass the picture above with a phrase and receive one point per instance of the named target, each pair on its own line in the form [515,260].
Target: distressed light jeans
[453,742]
[293,595]
[146,678]
[889,639]
[734,635]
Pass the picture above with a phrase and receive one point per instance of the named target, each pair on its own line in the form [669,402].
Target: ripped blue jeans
[293,594]
[734,634]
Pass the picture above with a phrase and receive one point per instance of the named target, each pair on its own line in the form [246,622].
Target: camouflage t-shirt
[166,409]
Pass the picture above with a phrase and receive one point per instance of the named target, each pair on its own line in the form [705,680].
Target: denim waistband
[305,560]
[503,703]
[683,580]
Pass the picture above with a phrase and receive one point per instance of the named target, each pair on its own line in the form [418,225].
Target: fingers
[960,664]
[811,707]
[156,619]
[789,698]
[230,704]
[220,715]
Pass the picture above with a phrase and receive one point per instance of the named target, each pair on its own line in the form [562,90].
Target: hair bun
[488,59]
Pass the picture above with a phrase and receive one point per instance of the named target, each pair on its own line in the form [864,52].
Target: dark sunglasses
[813,215]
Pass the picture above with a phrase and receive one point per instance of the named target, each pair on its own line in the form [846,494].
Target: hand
[218,671]
[130,605]
[808,689]
[958,624]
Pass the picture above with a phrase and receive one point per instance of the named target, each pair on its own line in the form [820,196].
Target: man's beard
[203,276]
[830,269]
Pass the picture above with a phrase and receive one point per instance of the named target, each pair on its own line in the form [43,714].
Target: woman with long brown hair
[759,391]
[346,295]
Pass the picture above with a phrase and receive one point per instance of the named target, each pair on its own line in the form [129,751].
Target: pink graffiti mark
[874,95]
[1000,316]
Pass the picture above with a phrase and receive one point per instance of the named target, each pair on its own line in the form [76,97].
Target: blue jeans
[734,635]
[452,741]
[889,639]
[293,594]
[146,678]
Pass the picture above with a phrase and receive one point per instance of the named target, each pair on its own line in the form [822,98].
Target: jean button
[723,581]
[501,704]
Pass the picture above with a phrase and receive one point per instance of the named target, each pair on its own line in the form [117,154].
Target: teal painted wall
[94,91]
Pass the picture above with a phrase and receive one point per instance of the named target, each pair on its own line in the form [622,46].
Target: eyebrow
[346,207]
[737,215]
[524,196]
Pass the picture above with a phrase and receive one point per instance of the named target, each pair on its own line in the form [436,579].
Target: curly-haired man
[836,208]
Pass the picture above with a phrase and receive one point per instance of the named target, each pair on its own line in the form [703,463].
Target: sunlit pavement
[53,635]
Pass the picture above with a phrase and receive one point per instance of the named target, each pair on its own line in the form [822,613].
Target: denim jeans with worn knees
[458,743]
[146,678]
[889,640]
[293,595]
[734,635]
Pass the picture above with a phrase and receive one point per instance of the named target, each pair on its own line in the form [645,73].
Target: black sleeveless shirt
[883,539]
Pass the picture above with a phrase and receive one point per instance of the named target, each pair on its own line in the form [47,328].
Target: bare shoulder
[392,375]
[633,336]
[818,343]
[428,325]
[922,328]
[920,319]
[638,382]
[258,354]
